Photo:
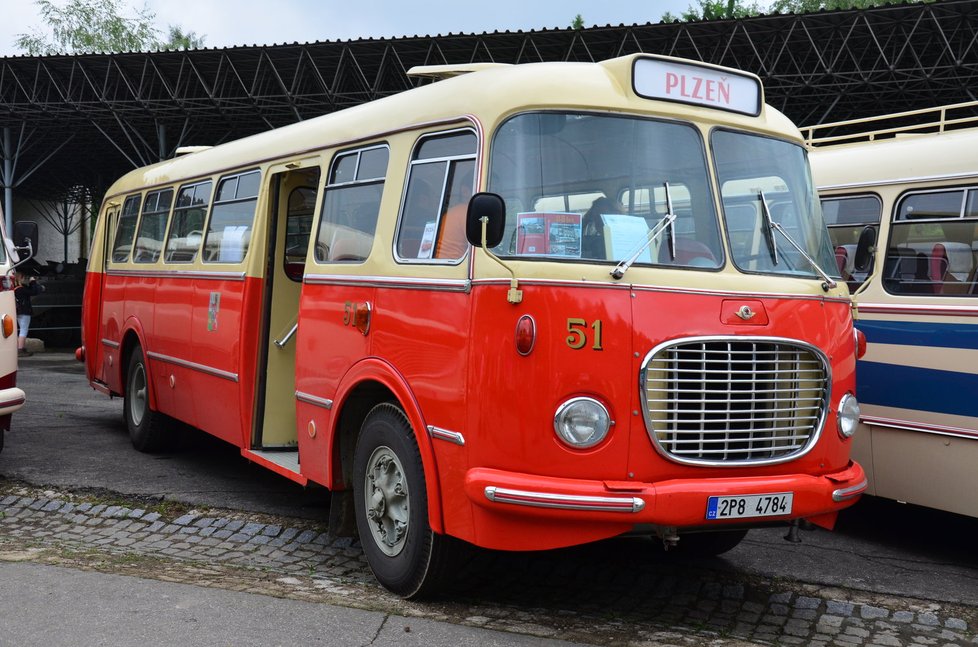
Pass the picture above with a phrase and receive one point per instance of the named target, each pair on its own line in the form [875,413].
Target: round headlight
[582,422]
[848,418]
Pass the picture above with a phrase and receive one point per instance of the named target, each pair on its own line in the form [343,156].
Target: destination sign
[669,80]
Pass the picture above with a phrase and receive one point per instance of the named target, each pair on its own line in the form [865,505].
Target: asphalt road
[70,436]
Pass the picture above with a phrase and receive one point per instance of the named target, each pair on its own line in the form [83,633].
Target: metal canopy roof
[86,119]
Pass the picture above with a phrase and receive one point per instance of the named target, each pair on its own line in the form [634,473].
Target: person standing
[26,288]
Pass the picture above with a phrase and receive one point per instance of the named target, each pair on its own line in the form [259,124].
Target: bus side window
[351,206]
[187,228]
[298,223]
[229,228]
[126,229]
[441,179]
[152,226]
[931,247]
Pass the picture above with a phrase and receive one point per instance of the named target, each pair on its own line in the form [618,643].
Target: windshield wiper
[772,226]
[666,223]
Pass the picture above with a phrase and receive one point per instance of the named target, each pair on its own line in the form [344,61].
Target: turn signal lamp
[8,326]
[526,335]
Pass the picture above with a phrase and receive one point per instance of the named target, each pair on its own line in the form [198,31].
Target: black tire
[709,544]
[146,426]
[391,503]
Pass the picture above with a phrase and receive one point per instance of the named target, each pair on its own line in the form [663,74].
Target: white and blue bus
[900,197]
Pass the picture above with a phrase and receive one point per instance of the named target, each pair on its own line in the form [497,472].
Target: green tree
[808,6]
[716,10]
[578,22]
[98,26]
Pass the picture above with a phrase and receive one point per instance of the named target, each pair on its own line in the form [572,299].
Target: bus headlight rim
[847,419]
[582,422]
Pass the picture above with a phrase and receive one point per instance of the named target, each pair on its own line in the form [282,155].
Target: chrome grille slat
[734,400]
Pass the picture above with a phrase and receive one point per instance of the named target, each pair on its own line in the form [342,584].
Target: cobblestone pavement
[613,593]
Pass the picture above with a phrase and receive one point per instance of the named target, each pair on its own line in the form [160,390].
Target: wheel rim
[137,395]
[386,501]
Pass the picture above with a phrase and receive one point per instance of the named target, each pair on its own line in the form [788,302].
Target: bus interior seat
[688,250]
[951,266]
[845,259]
[907,270]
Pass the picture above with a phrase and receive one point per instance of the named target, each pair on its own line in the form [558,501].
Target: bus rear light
[860,343]
[8,326]
[526,335]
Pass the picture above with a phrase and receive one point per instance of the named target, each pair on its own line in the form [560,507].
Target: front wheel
[391,503]
[146,428]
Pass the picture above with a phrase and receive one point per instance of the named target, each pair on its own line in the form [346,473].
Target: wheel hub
[386,500]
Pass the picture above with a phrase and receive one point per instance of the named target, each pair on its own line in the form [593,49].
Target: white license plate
[749,505]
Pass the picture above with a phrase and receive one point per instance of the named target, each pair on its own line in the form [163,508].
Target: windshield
[592,188]
[761,179]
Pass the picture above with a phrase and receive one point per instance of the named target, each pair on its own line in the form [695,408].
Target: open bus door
[292,196]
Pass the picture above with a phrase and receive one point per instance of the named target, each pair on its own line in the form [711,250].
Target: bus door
[292,199]
[94,285]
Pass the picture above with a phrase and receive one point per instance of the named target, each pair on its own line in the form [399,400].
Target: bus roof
[898,160]
[487,93]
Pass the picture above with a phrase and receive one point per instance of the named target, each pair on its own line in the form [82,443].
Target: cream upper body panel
[480,100]
[905,159]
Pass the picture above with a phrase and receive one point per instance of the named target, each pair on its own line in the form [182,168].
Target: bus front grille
[733,401]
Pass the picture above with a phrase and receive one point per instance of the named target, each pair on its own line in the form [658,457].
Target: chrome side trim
[314,400]
[664,289]
[216,372]
[110,343]
[404,282]
[850,492]
[914,309]
[904,180]
[906,425]
[564,501]
[179,274]
[444,434]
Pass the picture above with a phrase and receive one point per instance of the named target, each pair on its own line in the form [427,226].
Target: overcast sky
[226,23]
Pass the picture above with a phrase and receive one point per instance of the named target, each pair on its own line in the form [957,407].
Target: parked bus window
[932,244]
[152,226]
[439,180]
[351,206]
[126,229]
[846,218]
[547,160]
[187,226]
[229,229]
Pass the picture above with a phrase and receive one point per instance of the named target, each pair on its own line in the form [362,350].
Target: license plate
[749,505]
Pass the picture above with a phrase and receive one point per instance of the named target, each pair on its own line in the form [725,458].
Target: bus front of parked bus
[675,357]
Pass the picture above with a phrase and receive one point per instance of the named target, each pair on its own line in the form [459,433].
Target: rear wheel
[146,426]
[391,504]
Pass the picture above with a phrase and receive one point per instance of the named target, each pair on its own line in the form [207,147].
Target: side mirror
[865,249]
[491,207]
[25,238]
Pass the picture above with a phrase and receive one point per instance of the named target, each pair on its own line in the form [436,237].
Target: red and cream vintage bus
[12,397]
[629,327]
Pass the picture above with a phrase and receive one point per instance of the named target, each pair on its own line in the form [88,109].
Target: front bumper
[11,400]
[678,503]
